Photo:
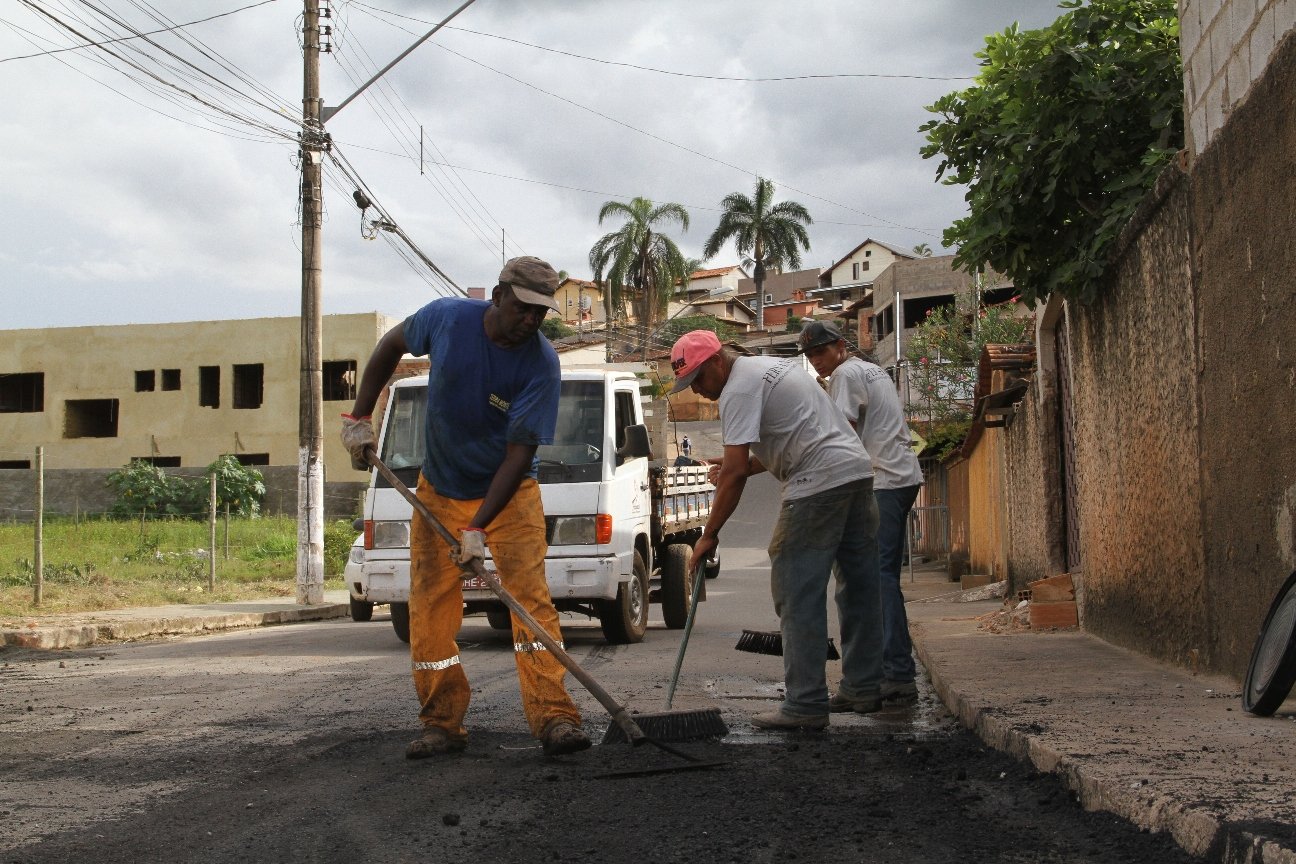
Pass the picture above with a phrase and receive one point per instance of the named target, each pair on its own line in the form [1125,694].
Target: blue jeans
[893,517]
[812,534]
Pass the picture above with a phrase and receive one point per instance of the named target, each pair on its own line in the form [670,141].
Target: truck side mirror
[636,444]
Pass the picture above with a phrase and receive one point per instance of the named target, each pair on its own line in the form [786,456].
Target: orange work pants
[516,539]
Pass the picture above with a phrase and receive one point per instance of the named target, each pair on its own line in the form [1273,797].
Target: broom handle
[617,711]
[688,628]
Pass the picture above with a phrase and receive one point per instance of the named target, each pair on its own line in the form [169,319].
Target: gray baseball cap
[533,281]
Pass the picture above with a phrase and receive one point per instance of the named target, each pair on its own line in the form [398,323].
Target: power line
[703,77]
[137,35]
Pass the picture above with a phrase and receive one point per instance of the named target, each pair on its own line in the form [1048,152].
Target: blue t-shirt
[481,397]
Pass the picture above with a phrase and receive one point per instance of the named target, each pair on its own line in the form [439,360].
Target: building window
[22,392]
[21,464]
[253,458]
[90,418]
[170,379]
[865,266]
[145,380]
[868,253]
[339,380]
[158,461]
[769,298]
[854,272]
[209,386]
[248,379]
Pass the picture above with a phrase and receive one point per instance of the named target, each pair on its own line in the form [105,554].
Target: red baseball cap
[689,353]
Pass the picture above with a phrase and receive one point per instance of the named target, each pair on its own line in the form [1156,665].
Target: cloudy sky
[126,200]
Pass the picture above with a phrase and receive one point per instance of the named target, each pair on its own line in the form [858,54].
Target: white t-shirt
[776,408]
[858,384]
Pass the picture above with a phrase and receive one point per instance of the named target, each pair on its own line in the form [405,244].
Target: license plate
[474,582]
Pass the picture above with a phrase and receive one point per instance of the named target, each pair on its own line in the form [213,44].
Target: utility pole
[310,445]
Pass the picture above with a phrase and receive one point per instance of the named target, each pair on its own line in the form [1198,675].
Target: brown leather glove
[357,435]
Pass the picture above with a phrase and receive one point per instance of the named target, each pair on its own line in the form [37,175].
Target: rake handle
[615,710]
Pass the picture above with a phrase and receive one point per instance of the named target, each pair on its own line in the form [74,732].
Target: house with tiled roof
[848,279]
[716,281]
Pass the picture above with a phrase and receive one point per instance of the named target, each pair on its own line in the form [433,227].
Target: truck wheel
[500,619]
[361,610]
[400,621]
[676,586]
[625,618]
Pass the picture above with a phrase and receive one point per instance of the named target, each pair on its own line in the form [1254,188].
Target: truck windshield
[577,452]
[402,448]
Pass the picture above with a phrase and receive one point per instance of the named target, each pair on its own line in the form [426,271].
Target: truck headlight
[391,535]
[572,531]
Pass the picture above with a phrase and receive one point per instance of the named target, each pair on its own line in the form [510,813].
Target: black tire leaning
[400,621]
[1272,670]
[361,610]
[676,586]
[625,618]
[499,618]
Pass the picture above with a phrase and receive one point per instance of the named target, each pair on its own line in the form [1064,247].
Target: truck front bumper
[582,578]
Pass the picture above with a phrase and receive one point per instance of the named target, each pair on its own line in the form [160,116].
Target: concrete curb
[1197,831]
[82,635]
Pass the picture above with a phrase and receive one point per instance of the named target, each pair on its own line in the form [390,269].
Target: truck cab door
[629,487]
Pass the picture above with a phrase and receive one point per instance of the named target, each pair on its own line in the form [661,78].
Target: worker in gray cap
[867,396]
[492,399]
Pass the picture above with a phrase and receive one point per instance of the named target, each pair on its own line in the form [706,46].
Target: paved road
[286,743]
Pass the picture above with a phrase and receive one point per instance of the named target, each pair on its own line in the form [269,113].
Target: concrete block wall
[1137,434]
[1226,45]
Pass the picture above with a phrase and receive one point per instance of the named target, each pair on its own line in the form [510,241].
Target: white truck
[620,526]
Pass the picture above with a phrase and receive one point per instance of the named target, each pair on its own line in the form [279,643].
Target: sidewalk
[82,629]
[1162,747]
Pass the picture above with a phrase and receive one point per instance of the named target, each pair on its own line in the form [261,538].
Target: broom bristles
[771,642]
[695,725]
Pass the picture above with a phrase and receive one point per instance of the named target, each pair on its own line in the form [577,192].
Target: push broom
[680,725]
[620,716]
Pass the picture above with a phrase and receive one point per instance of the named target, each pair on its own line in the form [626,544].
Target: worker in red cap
[775,417]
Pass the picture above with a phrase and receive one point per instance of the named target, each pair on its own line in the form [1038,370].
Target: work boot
[840,704]
[781,719]
[563,736]
[434,741]
[899,691]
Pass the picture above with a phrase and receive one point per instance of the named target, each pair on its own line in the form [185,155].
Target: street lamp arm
[326,114]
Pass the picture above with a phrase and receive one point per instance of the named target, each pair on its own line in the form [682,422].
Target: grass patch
[101,564]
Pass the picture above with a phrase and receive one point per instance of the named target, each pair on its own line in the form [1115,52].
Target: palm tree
[769,236]
[639,260]
[922,250]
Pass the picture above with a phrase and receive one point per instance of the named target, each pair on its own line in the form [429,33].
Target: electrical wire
[150,33]
[366,6]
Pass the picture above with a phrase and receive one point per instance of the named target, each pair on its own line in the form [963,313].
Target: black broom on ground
[695,725]
[771,642]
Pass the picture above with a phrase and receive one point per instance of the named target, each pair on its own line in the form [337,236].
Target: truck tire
[361,610]
[676,586]
[625,618]
[400,621]
[499,618]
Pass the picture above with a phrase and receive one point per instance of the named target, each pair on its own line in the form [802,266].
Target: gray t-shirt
[858,384]
[775,407]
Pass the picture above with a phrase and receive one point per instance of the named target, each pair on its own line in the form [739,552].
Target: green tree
[943,356]
[677,327]
[922,250]
[555,329]
[1057,141]
[640,260]
[768,235]
[239,487]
